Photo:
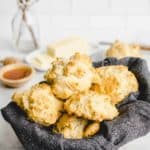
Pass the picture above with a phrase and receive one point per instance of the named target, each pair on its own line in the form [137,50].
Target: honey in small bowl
[18,73]
[15,75]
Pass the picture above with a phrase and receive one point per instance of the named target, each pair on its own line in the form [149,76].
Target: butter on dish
[67,47]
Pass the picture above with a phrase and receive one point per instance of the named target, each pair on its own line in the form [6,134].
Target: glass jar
[25,29]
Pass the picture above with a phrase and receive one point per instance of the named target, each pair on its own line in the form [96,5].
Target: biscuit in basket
[71,127]
[116,81]
[40,104]
[91,105]
[75,75]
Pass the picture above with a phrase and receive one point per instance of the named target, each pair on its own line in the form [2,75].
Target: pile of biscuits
[76,97]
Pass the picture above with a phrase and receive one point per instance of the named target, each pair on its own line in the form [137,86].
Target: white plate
[30,56]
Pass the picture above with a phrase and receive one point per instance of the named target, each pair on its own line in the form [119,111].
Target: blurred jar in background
[25,27]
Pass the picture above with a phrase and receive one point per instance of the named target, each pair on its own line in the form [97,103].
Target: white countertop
[9,141]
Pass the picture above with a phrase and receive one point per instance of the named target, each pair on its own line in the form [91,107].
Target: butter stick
[67,47]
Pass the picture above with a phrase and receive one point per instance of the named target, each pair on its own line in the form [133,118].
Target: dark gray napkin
[133,121]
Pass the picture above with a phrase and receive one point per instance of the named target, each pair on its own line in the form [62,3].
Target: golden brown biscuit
[116,81]
[91,105]
[56,70]
[120,50]
[76,75]
[91,129]
[41,105]
[80,66]
[71,127]
[81,57]
[22,99]
[63,87]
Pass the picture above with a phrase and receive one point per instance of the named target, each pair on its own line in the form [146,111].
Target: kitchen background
[95,20]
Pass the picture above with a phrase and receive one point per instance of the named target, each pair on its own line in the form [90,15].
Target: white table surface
[8,139]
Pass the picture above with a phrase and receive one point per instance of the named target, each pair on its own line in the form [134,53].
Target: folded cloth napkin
[133,121]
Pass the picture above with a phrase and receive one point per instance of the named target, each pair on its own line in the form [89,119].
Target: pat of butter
[42,61]
[68,47]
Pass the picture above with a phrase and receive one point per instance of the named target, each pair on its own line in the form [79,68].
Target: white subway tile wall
[90,7]
[130,7]
[128,20]
[54,7]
